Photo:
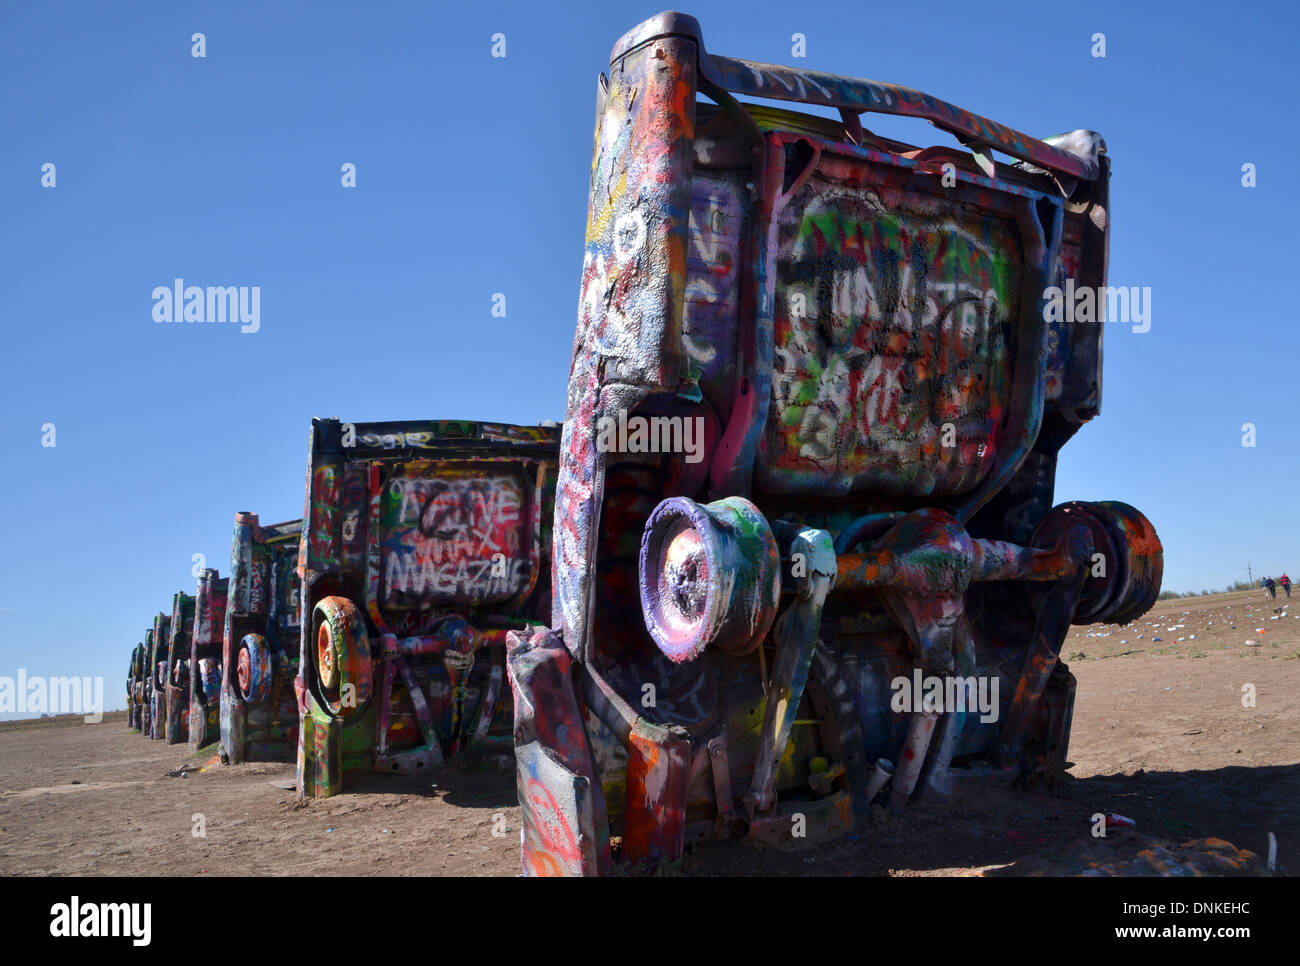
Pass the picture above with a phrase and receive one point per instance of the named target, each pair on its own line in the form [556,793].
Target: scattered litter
[211,763]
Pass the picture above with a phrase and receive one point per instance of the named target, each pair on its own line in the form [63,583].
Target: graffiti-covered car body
[259,715]
[159,653]
[206,645]
[424,543]
[135,687]
[815,403]
[177,687]
[146,682]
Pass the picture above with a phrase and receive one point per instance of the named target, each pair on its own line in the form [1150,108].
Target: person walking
[1285,581]
[1270,587]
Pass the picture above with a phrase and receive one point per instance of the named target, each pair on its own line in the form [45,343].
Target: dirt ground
[1160,735]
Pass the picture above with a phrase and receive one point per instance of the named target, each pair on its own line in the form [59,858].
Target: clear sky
[472,177]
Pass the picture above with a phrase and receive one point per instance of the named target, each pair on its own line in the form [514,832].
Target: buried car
[146,682]
[424,543]
[177,687]
[258,713]
[135,687]
[856,586]
[160,641]
[206,640]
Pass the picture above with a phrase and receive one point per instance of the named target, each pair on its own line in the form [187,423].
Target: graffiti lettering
[445,539]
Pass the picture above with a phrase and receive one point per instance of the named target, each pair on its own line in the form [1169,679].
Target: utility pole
[1250,575]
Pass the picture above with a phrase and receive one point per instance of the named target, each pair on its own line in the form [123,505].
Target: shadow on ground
[1004,826]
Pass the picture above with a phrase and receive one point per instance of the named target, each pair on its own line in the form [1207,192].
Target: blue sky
[472,180]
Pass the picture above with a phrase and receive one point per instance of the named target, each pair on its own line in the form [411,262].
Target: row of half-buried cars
[857,344]
[369,635]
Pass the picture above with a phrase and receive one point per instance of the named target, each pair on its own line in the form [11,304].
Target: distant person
[1285,581]
[1270,587]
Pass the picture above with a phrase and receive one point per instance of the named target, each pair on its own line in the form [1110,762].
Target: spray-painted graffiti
[135,687]
[178,670]
[454,539]
[883,405]
[890,331]
[419,559]
[260,642]
[205,659]
[157,676]
[719,211]
[557,845]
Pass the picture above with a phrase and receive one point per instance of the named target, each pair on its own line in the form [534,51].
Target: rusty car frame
[816,399]
[424,543]
[259,658]
[159,641]
[205,668]
[177,686]
[135,688]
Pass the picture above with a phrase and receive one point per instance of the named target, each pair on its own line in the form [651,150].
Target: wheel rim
[245,670]
[708,575]
[325,656]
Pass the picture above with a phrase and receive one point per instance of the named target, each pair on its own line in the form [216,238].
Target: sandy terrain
[99,800]
[1160,735]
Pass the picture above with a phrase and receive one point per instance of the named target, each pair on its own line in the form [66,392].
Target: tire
[341,655]
[708,575]
[253,672]
[1130,549]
